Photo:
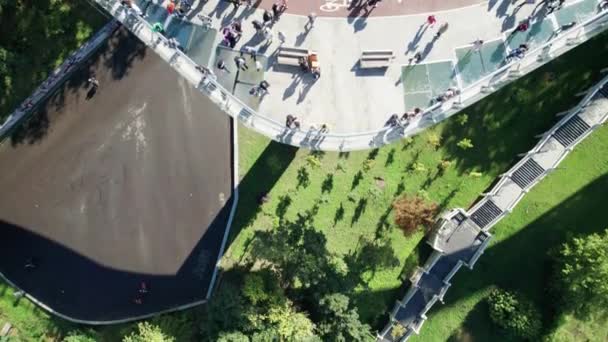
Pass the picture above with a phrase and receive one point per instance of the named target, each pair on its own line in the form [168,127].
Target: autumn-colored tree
[412,212]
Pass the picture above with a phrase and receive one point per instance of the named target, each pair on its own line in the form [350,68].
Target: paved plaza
[103,190]
[347,98]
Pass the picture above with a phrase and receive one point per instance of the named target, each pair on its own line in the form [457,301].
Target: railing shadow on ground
[24,76]
[551,85]
[510,263]
[117,54]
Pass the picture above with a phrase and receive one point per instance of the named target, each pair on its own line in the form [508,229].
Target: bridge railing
[312,138]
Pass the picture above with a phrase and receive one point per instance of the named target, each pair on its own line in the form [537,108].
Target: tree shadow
[390,158]
[328,183]
[359,210]
[343,155]
[339,215]
[282,206]
[373,154]
[500,129]
[303,178]
[356,180]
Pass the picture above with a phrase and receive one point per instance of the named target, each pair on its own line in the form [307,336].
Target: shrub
[147,332]
[434,140]
[368,164]
[465,144]
[80,336]
[582,265]
[514,313]
[313,161]
[398,331]
[443,166]
[475,174]
[418,167]
[412,212]
[462,119]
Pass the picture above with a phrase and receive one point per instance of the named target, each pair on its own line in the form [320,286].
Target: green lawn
[500,127]
[570,201]
[30,323]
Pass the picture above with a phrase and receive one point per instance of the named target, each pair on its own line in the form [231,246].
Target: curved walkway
[356,103]
[460,237]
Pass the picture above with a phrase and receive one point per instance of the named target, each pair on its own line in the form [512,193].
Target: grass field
[356,189]
[568,202]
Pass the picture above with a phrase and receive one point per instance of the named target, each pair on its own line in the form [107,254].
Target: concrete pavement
[356,103]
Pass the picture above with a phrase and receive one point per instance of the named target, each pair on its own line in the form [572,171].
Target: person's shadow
[91,93]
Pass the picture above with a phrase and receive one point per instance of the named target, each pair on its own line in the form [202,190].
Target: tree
[81,336]
[412,212]
[582,274]
[340,322]
[224,312]
[180,325]
[465,144]
[290,325]
[514,313]
[147,332]
[233,336]
[296,250]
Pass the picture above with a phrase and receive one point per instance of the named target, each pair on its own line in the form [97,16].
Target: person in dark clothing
[257,25]
[267,17]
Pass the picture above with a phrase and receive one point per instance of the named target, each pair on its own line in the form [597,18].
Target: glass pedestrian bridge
[477,73]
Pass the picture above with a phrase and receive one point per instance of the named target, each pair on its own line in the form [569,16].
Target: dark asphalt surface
[133,184]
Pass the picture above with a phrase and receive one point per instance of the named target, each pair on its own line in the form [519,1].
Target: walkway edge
[235,200]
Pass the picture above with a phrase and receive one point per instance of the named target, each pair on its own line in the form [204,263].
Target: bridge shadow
[83,288]
[257,183]
[521,262]
[505,123]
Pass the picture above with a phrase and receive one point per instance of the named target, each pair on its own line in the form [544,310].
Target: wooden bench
[376,58]
[291,56]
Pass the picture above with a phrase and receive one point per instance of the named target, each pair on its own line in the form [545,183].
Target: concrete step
[571,130]
[486,214]
[527,173]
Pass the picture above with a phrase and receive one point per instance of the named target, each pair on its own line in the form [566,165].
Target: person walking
[257,25]
[241,63]
[93,82]
[290,120]
[267,17]
[523,26]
